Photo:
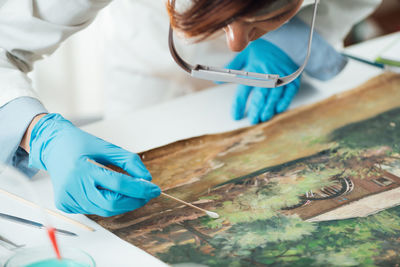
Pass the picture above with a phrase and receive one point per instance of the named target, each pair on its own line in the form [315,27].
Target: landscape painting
[318,185]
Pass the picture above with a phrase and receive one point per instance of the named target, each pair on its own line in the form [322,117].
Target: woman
[32,139]
[142,80]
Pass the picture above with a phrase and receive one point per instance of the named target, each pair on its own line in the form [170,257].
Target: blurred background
[71,81]
[385,20]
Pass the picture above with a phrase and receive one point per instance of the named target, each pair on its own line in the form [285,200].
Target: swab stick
[209,213]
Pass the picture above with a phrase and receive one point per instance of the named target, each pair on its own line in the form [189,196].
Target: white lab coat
[140,69]
[32,29]
[141,72]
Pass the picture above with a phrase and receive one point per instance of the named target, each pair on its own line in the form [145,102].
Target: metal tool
[33,224]
[8,244]
[372,63]
[239,76]
[48,211]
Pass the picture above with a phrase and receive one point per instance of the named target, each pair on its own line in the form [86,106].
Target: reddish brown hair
[205,17]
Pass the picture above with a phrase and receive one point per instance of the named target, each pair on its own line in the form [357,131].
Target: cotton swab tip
[212,214]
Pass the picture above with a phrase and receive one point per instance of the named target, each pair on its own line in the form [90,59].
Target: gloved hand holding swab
[211,214]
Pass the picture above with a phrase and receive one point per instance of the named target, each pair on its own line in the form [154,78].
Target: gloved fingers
[123,184]
[112,203]
[66,203]
[240,101]
[128,161]
[69,204]
[288,94]
[92,208]
[257,103]
[238,62]
[119,202]
[271,102]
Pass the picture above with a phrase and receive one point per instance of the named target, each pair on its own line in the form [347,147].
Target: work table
[197,114]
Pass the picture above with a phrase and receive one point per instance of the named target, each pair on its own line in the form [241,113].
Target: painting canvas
[318,185]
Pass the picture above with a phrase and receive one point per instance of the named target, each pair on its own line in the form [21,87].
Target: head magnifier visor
[240,76]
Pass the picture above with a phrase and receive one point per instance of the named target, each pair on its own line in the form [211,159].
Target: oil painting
[317,185]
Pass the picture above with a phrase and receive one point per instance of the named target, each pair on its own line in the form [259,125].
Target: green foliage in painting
[289,241]
[263,202]
[382,130]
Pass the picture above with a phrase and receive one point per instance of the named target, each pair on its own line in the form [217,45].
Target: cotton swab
[117,169]
[211,214]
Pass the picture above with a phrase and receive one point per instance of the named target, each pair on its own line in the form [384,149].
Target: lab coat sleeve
[324,62]
[29,30]
[15,117]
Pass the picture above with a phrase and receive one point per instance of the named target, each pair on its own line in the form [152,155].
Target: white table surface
[192,115]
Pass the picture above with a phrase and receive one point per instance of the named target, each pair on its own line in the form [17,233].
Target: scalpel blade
[32,223]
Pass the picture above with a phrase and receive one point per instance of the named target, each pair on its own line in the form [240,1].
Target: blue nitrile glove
[263,57]
[80,186]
